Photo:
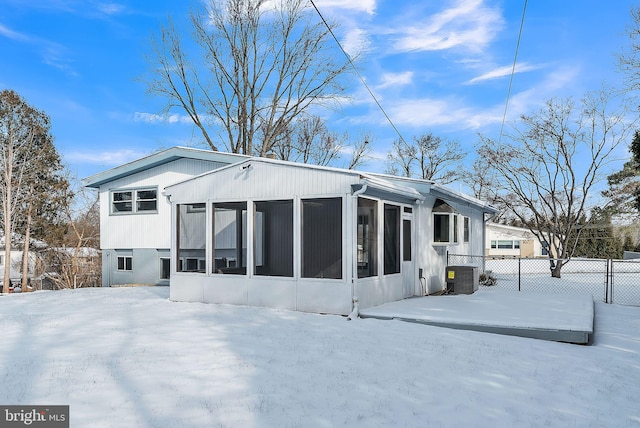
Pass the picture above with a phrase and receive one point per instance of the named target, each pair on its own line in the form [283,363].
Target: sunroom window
[273,238]
[322,238]
[230,238]
[367,238]
[191,239]
[391,239]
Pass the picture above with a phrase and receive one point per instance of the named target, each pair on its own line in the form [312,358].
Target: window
[191,239]
[165,268]
[391,239]
[122,202]
[322,238]
[367,239]
[440,227]
[406,240]
[146,200]
[134,201]
[230,238]
[455,229]
[466,229]
[273,239]
[125,263]
[505,244]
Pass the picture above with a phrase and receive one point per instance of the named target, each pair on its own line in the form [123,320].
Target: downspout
[354,263]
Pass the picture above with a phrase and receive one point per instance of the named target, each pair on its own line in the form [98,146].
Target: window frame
[334,238]
[134,201]
[126,267]
[447,229]
[466,230]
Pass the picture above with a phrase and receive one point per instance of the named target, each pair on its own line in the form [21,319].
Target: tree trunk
[555,270]
[7,217]
[25,247]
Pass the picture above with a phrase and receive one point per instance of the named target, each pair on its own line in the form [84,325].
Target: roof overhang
[461,199]
[387,190]
[156,159]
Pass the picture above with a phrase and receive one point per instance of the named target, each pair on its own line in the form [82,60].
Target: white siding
[146,230]
[263,181]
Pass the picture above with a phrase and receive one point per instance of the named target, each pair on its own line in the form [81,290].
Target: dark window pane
[322,238]
[146,194]
[165,268]
[120,263]
[406,240]
[441,227]
[146,206]
[367,239]
[273,239]
[391,239]
[128,263]
[122,196]
[455,228]
[467,229]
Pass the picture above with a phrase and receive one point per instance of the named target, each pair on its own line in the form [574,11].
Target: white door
[408,274]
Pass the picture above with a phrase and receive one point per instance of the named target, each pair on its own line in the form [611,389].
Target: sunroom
[292,236]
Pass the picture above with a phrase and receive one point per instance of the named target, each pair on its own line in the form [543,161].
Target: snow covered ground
[127,357]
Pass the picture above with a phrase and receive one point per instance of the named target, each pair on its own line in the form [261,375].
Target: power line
[513,71]
[357,72]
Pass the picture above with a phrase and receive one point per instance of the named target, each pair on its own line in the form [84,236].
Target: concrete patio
[555,317]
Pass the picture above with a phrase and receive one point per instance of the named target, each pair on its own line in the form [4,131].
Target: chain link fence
[609,281]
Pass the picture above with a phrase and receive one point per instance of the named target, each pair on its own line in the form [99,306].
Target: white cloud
[502,72]
[14,35]
[110,8]
[368,6]
[157,118]
[356,42]
[468,23]
[117,157]
[395,79]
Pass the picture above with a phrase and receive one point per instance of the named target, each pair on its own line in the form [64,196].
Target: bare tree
[261,64]
[75,262]
[629,58]
[428,157]
[545,174]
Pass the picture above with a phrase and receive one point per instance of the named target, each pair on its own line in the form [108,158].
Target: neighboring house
[511,241]
[135,218]
[15,262]
[271,233]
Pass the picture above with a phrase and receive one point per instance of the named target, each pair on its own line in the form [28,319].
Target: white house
[135,219]
[271,233]
[510,241]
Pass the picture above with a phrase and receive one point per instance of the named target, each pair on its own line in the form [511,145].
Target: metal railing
[607,280]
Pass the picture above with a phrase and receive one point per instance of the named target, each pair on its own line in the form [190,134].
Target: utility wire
[357,72]
[513,71]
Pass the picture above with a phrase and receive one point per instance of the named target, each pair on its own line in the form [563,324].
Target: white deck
[557,317]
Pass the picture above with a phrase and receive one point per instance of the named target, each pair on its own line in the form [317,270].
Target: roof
[405,188]
[450,195]
[156,159]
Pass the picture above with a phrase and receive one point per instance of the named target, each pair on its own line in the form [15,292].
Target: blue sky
[436,66]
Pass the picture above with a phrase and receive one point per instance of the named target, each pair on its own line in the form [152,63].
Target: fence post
[519,272]
[611,283]
[606,282]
